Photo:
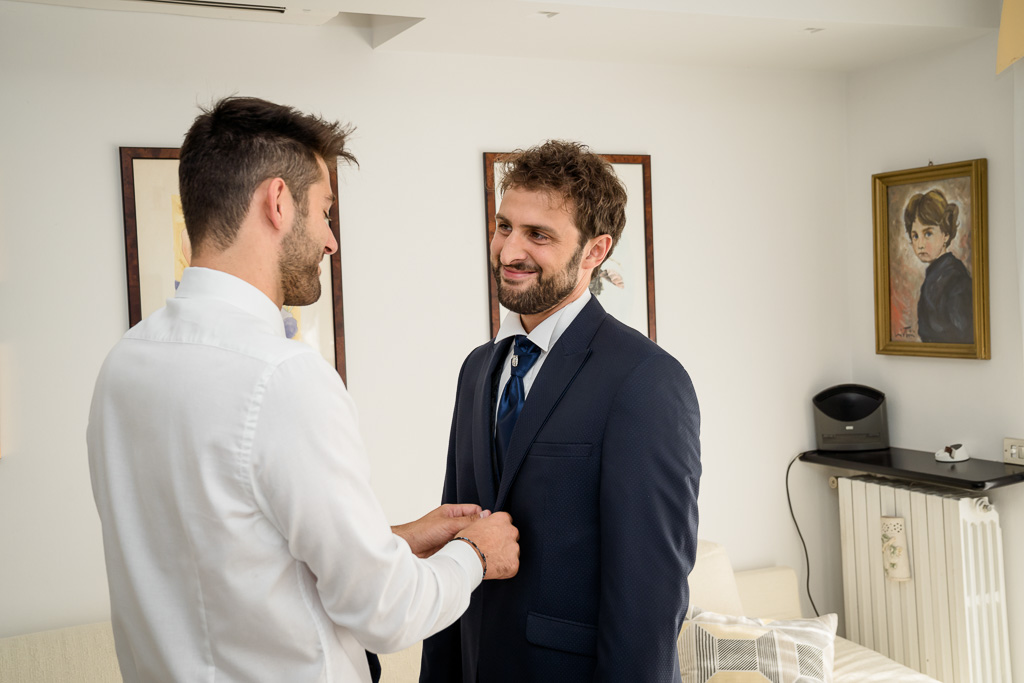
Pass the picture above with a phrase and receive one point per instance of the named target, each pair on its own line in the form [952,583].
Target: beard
[299,265]
[545,293]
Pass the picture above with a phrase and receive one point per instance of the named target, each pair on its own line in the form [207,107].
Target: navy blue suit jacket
[601,479]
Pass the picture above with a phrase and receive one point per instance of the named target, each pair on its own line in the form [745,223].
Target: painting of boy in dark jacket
[945,311]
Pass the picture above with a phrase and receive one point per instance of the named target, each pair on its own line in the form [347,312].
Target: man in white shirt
[242,539]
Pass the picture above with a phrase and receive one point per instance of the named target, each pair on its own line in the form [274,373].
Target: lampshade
[1011,34]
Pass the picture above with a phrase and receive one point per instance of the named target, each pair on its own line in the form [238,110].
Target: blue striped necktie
[524,355]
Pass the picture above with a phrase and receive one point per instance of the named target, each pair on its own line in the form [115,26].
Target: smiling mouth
[515,275]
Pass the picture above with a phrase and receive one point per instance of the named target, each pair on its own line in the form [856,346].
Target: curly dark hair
[234,146]
[931,208]
[594,194]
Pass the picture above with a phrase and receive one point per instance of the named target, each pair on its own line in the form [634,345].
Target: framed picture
[625,283]
[931,261]
[157,250]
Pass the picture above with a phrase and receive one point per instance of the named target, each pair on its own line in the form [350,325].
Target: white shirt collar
[547,333]
[198,283]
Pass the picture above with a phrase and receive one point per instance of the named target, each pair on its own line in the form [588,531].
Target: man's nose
[513,248]
[332,244]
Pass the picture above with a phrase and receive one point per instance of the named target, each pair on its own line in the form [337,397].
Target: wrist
[483,558]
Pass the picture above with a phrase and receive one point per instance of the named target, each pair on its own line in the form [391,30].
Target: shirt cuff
[467,558]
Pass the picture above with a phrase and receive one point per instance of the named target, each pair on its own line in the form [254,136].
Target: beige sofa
[85,654]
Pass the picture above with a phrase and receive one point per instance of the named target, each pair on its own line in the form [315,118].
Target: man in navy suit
[594,451]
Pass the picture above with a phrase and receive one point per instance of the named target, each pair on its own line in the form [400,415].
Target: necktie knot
[524,355]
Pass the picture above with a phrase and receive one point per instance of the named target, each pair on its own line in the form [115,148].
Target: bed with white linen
[772,594]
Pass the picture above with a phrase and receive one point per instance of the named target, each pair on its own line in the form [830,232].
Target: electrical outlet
[1013,451]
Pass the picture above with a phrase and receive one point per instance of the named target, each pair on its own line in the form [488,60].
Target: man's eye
[327,219]
[503,227]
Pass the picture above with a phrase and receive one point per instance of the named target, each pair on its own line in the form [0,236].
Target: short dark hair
[582,178]
[931,208]
[238,143]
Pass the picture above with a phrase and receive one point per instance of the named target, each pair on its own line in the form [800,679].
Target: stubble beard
[300,279]
[544,294]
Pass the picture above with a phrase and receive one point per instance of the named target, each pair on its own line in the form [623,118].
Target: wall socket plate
[1013,451]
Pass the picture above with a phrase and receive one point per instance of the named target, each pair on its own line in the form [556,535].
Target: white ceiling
[842,35]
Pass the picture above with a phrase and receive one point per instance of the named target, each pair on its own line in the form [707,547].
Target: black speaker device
[850,417]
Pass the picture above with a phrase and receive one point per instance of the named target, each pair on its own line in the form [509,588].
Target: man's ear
[597,251]
[276,199]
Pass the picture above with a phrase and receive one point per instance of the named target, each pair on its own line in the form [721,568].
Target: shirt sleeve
[310,476]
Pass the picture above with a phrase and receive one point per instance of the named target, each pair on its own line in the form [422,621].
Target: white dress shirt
[242,539]
[544,336]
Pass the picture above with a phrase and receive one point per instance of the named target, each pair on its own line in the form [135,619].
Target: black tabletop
[974,474]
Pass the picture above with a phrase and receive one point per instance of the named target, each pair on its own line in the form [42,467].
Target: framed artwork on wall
[931,261]
[157,250]
[625,282]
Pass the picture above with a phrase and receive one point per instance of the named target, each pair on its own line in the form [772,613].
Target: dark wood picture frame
[491,159]
[900,275]
[130,190]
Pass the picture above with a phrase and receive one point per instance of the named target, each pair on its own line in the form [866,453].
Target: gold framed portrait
[931,261]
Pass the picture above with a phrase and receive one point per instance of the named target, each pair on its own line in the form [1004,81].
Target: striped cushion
[726,649]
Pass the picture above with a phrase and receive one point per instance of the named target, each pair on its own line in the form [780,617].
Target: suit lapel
[483,425]
[563,363]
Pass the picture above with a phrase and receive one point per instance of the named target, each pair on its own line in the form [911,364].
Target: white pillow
[741,649]
[712,582]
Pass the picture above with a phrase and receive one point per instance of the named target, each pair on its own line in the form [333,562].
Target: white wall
[945,107]
[749,170]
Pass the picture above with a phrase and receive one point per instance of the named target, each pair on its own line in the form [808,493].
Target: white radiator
[949,619]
